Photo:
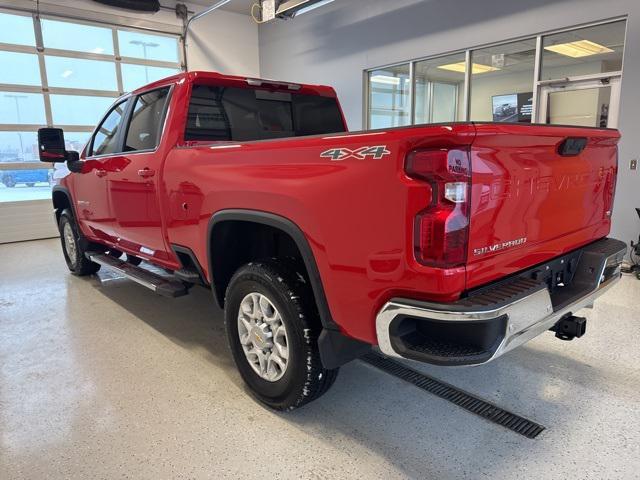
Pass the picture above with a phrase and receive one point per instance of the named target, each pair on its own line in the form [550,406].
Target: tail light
[610,189]
[441,230]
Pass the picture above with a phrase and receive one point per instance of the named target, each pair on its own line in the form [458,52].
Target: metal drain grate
[454,395]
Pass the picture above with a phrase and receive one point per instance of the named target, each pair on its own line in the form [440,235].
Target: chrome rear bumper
[468,333]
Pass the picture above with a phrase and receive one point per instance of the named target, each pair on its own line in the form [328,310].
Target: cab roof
[214,78]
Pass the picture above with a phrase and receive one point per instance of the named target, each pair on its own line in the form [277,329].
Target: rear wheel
[272,327]
[74,253]
[31,184]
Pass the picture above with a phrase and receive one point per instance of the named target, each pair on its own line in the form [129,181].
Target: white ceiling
[238,6]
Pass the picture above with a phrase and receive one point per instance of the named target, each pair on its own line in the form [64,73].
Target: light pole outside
[16,98]
[144,46]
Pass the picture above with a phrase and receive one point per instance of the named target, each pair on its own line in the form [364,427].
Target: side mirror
[51,146]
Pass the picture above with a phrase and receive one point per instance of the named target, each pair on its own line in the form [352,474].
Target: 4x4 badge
[376,152]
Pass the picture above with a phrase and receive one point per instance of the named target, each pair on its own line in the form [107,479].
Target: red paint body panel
[357,215]
[523,189]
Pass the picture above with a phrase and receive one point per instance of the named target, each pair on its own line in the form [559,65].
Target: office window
[389,97]
[507,82]
[439,89]
[502,82]
[586,51]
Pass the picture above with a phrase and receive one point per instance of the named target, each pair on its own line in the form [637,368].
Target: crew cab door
[91,192]
[134,189]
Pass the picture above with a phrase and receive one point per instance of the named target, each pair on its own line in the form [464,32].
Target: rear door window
[147,117]
[237,114]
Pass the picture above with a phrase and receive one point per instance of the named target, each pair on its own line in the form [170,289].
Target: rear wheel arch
[229,248]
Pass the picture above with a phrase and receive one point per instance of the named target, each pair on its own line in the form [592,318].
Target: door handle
[146,172]
[101,173]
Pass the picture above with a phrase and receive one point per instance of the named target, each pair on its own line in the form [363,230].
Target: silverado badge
[499,246]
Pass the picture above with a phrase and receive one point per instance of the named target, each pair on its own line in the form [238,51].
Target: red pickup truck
[448,244]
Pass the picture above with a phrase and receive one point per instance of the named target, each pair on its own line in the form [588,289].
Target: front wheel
[272,327]
[74,253]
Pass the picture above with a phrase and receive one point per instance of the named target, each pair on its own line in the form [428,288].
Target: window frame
[465,94]
[90,145]
[41,51]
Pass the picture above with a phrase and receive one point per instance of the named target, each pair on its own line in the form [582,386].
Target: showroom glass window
[389,97]
[439,89]
[502,82]
[539,79]
[65,83]
[585,51]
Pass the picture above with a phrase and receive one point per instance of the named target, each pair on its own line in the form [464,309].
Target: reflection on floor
[110,380]
[21,192]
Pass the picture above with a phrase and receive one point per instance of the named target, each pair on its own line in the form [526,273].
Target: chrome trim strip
[528,317]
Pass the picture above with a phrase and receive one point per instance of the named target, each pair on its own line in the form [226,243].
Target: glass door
[588,102]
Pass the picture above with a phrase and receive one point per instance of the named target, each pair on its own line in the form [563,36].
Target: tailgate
[529,203]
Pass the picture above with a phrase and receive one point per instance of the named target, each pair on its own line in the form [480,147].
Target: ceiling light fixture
[313,6]
[461,67]
[385,79]
[579,48]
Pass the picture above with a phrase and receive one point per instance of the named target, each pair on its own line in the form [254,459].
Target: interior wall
[334,44]
[224,42]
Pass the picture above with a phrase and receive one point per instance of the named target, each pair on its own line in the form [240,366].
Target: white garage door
[62,73]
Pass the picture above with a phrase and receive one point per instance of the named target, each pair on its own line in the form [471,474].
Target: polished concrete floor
[108,380]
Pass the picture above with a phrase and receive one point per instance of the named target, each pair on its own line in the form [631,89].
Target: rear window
[243,114]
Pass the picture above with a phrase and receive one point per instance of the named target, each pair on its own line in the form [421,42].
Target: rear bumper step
[157,283]
[498,318]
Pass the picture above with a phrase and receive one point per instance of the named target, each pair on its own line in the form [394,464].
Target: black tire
[304,378]
[78,264]
[31,184]
[8,181]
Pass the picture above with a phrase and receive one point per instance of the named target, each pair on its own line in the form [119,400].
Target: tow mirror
[51,146]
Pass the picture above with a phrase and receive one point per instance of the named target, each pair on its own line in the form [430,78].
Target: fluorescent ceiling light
[386,79]
[577,49]
[475,68]
[313,6]
[66,73]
